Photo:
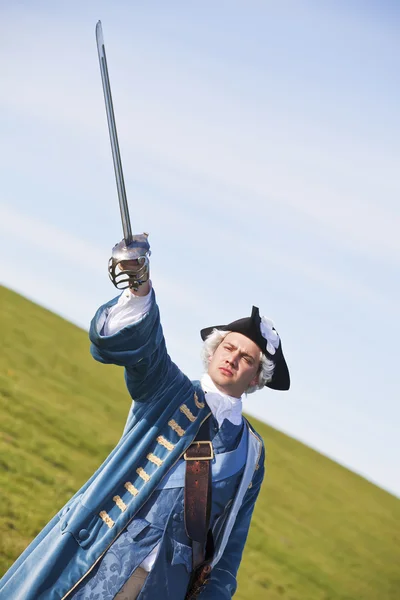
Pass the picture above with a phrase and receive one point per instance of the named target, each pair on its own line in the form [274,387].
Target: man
[168,512]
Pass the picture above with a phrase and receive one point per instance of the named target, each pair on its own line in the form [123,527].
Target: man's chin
[224,385]
[219,381]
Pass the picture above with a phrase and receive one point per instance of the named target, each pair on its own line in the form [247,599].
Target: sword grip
[129,264]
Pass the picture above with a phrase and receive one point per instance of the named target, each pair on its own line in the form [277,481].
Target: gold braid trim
[174,425]
[154,459]
[142,473]
[131,488]
[197,401]
[161,440]
[187,412]
[120,503]
[107,519]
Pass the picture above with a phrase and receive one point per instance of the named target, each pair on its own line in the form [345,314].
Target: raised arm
[127,332]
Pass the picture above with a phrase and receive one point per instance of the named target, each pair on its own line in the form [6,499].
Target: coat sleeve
[139,347]
[222,583]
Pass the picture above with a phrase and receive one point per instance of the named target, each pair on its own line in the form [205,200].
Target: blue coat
[166,414]
[161,519]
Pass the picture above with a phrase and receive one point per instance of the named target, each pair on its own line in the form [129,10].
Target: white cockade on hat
[270,334]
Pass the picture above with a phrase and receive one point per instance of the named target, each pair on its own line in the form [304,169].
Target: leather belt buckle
[196,446]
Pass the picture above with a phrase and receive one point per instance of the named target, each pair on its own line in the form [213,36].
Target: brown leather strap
[199,579]
[197,507]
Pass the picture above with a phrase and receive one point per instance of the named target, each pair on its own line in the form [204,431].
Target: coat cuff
[129,338]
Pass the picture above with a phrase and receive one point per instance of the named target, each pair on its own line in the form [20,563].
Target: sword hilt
[128,266]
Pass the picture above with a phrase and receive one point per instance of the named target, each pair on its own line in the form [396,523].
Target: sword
[131,248]
[112,128]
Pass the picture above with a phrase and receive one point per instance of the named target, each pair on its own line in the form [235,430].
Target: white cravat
[222,406]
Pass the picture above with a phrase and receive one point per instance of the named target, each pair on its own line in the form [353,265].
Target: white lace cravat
[222,406]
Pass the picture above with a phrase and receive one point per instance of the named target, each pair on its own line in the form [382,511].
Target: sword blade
[112,128]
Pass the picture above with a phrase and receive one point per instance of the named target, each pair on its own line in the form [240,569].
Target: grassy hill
[319,532]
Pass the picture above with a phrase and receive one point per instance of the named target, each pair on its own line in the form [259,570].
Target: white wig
[266,368]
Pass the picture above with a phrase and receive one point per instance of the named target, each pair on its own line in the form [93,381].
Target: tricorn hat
[263,333]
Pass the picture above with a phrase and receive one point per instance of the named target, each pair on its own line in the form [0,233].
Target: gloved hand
[129,265]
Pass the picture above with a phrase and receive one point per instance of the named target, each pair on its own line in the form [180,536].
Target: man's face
[234,365]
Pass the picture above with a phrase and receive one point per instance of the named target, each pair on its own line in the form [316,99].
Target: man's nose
[233,359]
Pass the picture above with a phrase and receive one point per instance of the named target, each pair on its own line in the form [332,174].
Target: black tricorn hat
[251,328]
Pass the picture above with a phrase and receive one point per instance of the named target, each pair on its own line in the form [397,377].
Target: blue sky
[260,145]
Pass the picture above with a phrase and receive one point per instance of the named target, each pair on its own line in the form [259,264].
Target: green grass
[319,531]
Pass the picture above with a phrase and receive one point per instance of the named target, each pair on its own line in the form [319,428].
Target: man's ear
[254,381]
[210,357]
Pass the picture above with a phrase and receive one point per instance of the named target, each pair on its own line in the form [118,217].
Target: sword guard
[131,276]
